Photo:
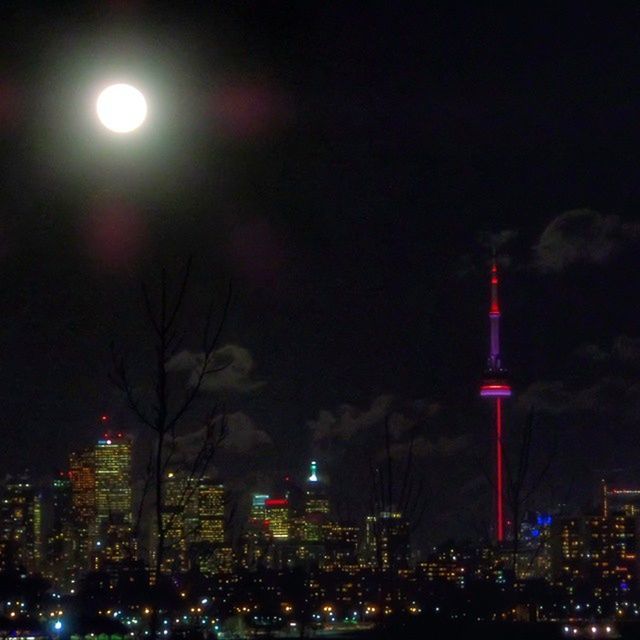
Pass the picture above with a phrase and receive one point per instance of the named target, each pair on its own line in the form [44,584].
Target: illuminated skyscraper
[256,538]
[211,512]
[612,554]
[496,386]
[534,552]
[210,536]
[82,475]
[279,518]
[568,551]
[620,500]
[176,496]
[386,543]
[393,540]
[113,497]
[316,506]
[21,524]
[341,547]
[60,543]
[258,507]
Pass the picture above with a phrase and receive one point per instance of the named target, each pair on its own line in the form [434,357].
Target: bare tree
[396,487]
[525,475]
[165,407]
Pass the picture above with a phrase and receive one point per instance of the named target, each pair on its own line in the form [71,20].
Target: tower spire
[495,378]
[314,471]
[494,364]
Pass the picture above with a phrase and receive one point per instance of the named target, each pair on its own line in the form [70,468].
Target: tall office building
[316,506]
[210,536]
[258,508]
[82,476]
[177,494]
[21,524]
[211,512]
[393,539]
[386,541]
[113,498]
[59,556]
[534,548]
[256,539]
[278,518]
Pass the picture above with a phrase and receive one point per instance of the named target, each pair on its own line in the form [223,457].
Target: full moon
[121,108]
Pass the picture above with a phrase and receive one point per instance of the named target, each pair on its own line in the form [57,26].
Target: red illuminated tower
[496,386]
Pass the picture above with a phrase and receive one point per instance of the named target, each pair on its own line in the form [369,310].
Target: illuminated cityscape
[282,556]
[351,571]
[319,320]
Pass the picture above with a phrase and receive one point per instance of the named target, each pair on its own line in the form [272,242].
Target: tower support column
[499,475]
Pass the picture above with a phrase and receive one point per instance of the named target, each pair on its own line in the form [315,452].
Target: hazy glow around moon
[121,108]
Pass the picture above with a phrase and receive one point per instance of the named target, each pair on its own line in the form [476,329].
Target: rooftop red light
[276,502]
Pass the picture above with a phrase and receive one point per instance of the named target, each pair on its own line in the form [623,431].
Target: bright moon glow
[121,108]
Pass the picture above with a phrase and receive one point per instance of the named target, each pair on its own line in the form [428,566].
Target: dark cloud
[627,349]
[582,236]
[623,350]
[348,420]
[422,447]
[611,397]
[407,421]
[470,266]
[547,396]
[233,367]
[242,436]
[497,240]
[591,353]
[404,420]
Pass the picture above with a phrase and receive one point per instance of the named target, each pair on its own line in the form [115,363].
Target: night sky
[348,167]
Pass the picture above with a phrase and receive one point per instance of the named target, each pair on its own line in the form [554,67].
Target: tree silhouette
[166,404]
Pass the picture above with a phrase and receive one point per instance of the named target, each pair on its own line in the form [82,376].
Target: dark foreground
[495,631]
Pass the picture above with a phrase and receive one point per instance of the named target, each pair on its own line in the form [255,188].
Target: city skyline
[319,319]
[351,191]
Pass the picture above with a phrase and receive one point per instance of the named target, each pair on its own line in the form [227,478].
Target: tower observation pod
[496,387]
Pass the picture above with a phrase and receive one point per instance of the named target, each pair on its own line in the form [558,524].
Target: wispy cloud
[242,436]
[624,350]
[232,367]
[422,447]
[348,420]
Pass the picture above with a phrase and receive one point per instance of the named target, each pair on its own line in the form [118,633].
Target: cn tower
[496,386]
